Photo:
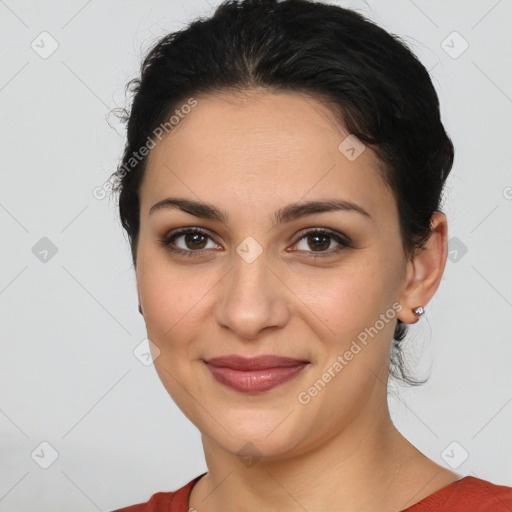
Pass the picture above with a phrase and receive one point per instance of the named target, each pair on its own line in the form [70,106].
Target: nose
[252,297]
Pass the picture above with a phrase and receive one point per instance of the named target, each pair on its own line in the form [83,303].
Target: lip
[255,374]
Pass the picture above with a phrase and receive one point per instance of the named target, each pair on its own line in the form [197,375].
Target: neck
[357,469]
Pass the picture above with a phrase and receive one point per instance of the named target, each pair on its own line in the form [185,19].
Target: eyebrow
[287,214]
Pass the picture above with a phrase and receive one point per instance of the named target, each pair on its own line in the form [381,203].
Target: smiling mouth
[254,375]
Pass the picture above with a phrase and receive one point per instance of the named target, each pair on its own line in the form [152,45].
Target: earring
[140,310]
[419,311]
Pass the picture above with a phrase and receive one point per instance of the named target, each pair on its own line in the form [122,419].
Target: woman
[280,188]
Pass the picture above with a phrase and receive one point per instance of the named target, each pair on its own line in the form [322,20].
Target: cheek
[171,295]
[347,298]
[172,303]
[347,304]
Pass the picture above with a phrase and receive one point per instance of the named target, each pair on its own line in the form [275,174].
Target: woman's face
[258,280]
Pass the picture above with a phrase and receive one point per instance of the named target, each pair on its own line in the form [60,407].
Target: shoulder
[159,501]
[468,493]
[485,496]
[175,501]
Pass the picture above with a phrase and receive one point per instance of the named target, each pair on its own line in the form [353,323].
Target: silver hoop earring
[419,311]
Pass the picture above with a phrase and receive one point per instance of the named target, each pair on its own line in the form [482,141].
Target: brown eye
[323,242]
[191,242]
[194,240]
[318,242]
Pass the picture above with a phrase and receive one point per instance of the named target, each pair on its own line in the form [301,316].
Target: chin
[255,434]
[251,449]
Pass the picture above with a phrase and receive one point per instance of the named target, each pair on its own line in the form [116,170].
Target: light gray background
[69,325]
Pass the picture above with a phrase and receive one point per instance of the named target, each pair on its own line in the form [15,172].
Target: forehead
[253,146]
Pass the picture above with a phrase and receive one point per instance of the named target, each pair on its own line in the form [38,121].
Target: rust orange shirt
[469,494]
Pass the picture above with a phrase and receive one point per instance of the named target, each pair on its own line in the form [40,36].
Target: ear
[139,300]
[425,271]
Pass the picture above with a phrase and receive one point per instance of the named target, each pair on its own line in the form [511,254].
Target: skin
[250,155]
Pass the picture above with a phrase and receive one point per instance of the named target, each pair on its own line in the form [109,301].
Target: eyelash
[344,242]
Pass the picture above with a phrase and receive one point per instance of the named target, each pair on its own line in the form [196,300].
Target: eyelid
[323,231]
[172,235]
[343,240]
